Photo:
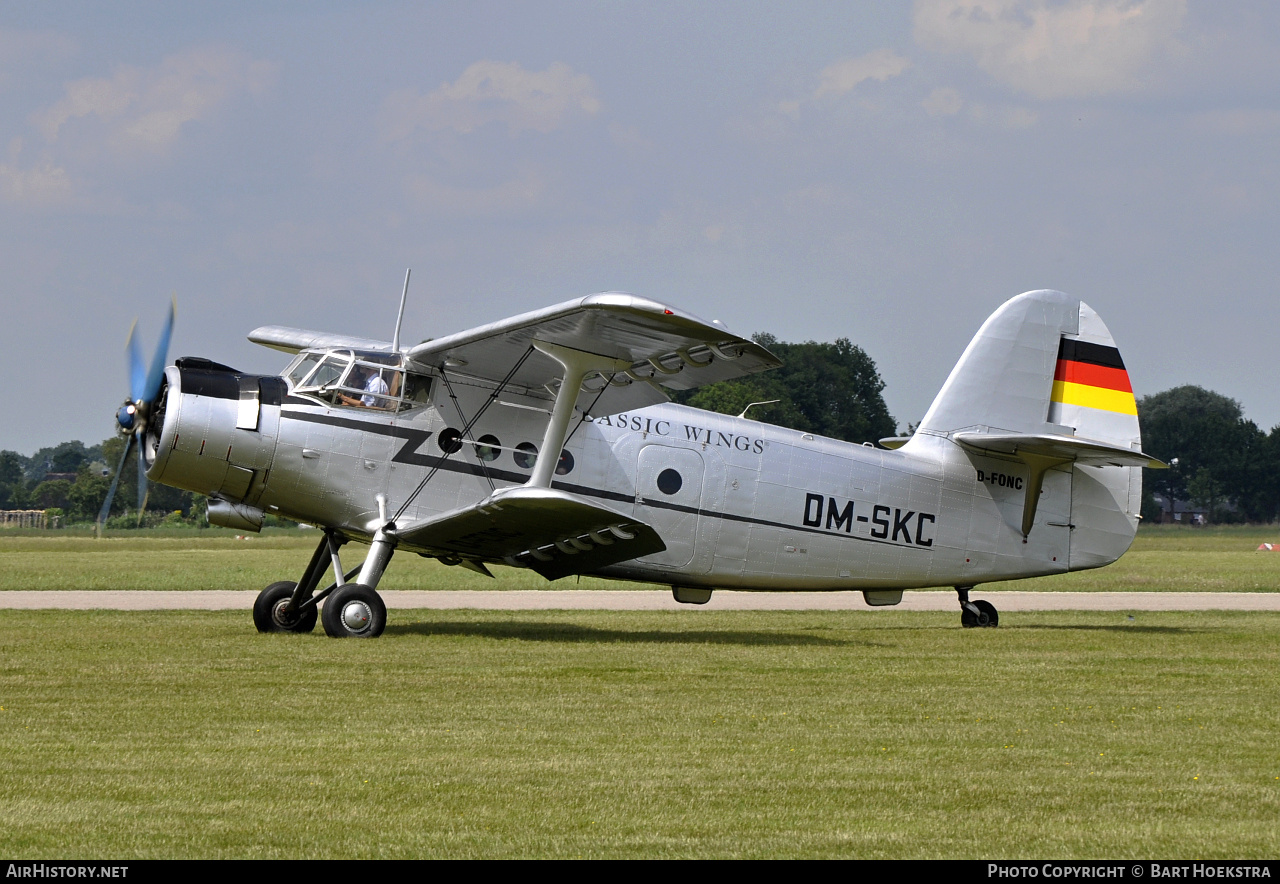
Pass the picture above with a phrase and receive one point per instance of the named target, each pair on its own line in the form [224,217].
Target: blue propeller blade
[155,377]
[111,495]
[137,371]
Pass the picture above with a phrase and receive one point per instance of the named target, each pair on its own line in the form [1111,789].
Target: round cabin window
[488,447]
[565,465]
[669,481]
[449,440]
[525,455]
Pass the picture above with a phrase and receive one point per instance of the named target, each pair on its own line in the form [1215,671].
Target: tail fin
[1043,363]
[1042,382]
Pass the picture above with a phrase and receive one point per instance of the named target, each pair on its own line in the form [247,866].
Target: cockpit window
[356,379]
[301,367]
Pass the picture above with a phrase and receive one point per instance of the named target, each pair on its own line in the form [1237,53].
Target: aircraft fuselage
[738,503]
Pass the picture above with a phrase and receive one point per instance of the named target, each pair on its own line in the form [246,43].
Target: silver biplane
[547,441]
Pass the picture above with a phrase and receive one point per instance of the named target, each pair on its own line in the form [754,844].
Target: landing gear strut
[351,610]
[979,613]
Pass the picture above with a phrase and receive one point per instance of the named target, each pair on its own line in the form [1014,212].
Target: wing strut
[577,365]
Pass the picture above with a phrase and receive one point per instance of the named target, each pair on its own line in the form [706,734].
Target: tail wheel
[986,615]
[354,611]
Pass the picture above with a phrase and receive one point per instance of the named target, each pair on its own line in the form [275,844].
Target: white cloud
[44,184]
[844,76]
[493,92]
[1055,50]
[943,103]
[146,108]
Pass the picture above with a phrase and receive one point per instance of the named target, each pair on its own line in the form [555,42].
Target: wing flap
[550,531]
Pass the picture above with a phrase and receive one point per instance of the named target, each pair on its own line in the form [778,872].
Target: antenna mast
[395,341]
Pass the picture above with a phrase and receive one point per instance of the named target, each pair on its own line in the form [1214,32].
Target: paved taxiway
[661,600]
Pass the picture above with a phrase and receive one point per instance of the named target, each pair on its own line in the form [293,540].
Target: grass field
[1163,558]
[691,734]
[599,734]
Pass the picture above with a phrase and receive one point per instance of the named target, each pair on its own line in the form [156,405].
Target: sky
[882,171]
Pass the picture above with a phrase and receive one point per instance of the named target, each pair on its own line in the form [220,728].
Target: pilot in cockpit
[375,388]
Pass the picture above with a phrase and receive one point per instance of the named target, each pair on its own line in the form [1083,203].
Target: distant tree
[50,493]
[12,480]
[85,497]
[12,466]
[66,457]
[1216,455]
[829,389]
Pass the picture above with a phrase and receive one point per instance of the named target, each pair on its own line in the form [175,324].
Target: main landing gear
[351,610]
[979,613]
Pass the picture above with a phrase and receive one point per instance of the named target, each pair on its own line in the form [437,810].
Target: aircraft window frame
[308,359]
[337,367]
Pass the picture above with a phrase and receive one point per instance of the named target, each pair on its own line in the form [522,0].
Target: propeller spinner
[134,415]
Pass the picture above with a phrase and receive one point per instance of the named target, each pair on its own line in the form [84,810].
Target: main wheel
[354,611]
[270,614]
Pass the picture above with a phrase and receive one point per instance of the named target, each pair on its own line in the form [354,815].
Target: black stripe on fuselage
[410,452]
[1093,354]
[501,475]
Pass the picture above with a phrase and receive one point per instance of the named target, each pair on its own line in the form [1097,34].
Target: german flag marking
[1094,397]
[1094,376]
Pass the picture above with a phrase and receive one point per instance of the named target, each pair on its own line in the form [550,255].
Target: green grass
[687,734]
[204,560]
[1163,558]
[1169,558]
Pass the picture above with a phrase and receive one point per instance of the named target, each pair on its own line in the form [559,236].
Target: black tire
[354,611]
[993,618]
[268,610]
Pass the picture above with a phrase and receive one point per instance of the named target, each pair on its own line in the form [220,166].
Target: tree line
[1219,461]
[71,480]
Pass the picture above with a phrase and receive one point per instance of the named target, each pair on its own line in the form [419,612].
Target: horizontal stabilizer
[1063,449]
[1044,451]
[550,531]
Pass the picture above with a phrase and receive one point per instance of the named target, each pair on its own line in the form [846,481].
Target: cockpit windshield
[357,379]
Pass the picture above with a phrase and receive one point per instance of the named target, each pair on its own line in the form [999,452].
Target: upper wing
[551,531]
[293,340]
[665,347]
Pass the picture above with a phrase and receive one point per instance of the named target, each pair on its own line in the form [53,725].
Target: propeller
[133,416]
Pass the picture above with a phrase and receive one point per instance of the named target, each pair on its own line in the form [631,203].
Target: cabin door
[669,489]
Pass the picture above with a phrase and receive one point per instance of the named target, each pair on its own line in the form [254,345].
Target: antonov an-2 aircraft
[547,441]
